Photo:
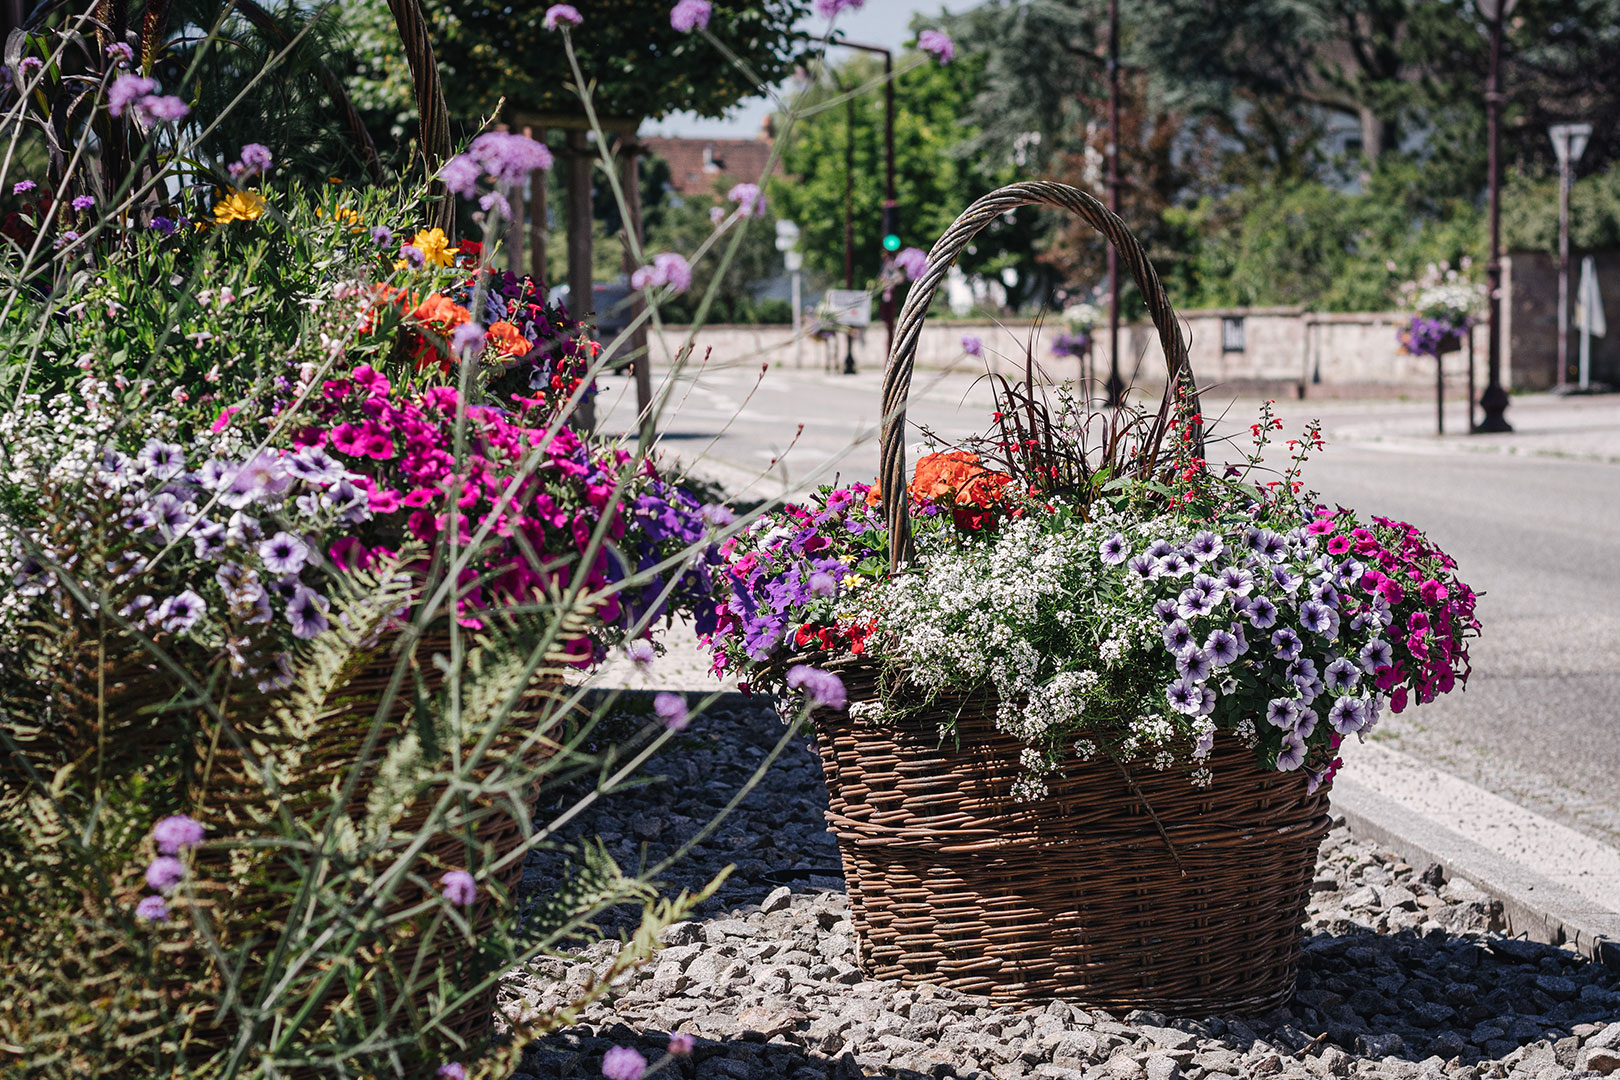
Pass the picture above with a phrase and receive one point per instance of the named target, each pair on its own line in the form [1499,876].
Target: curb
[1535,905]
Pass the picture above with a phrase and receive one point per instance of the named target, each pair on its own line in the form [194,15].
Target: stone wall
[1285,352]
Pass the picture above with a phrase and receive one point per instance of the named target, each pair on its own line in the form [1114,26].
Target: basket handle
[897,375]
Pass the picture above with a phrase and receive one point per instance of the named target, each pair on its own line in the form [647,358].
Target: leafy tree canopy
[641,67]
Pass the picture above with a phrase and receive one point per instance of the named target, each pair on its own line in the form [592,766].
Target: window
[1231,333]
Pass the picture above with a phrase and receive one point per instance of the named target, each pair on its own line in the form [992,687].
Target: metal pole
[886,309]
[1116,386]
[798,324]
[1566,173]
[1494,401]
[849,222]
[640,349]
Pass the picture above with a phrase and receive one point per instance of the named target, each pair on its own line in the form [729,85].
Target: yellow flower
[239,206]
[851,580]
[434,246]
[344,215]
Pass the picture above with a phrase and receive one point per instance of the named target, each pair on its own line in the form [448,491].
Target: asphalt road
[1537,535]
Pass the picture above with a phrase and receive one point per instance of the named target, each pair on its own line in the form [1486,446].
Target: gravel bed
[1404,974]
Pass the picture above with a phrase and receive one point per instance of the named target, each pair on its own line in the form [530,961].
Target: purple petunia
[1144,566]
[180,612]
[1347,716]
[1222,647]
[306,611]
[1166,611]
[1262,613]
[284,553]
[822,584]
[561,15]
[938,44]
[176,833]
[1206,546]
[1184,697]
[913,262]
[152,909]
[1115,550]
[161,460]
[1287,644]
[1194,602]
[641,653]
[671,709]
[1194,664]
[689,15]
[1280,713]
[1318,618]
[1341,674]
[824,689]
[1375,656]
[623,1063]
[164,873]
[1237,581]
[1178,638]
[458,887]
[1291,755]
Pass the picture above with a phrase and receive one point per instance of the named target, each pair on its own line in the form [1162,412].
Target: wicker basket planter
[1123,886]
[1193,907]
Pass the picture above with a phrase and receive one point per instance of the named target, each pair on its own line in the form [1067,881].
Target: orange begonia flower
[506,339]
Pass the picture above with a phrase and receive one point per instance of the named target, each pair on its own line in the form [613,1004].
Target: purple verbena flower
[121,53]
[749,199]
[938,44]
[681,1044]
[689,15]
[126,90]
[913,262]
[671,709]
[164,873]
[22,186]
[152,909]
[176,833]
[458,887]
[381,235]
[84,202]
[452,1070]
[823,689]
[163,107]
[829,8]
[623,1063]
[561,15]
[972,345]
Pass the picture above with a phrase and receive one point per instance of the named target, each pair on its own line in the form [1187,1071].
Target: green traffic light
[891,242]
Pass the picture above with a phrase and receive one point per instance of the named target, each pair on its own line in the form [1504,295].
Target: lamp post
[1494,401]
[1569,143]
[1116,385]
[890,207]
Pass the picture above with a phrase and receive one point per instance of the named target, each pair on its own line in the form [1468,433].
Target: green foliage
[936,174]
[1530,212]
[640,66]
[1308,244]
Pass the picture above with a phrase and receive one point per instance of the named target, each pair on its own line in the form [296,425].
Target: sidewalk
[1544,425]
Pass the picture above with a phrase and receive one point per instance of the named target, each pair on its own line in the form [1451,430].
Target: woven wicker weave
[1124,886]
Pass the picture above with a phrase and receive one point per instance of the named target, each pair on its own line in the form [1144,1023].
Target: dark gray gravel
[1404,974]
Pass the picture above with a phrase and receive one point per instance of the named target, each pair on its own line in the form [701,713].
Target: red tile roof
[698,166]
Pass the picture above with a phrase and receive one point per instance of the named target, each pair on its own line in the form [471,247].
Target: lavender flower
[623,1063]
[972,345]
[689,15]
[307,613]
[126,90]
[641,653]
[284,553]
[22,186]
[667,268]
[469,336]
[176,833]
[561,15]
[822,584]
[1144,566]
[823,689]
[680,1044]
[120,53]
[913,262]
[84,202]
[829,8]
[1318,618]
[938,44]
[1237,581]
[180,612]
[1115,550]
[1166,611]
[1194,602]
[458,887]
[381,235]
[671,709]
[451,1070]
[164,873]
[152,909]
[749,199]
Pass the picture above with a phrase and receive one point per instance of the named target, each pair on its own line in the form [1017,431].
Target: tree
[640,66]
[937,172]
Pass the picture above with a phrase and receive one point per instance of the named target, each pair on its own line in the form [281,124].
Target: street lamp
[1569,143]
[1116,385]
[890,207]
[1494,401]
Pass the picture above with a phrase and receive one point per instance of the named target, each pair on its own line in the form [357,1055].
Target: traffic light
[891,227]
